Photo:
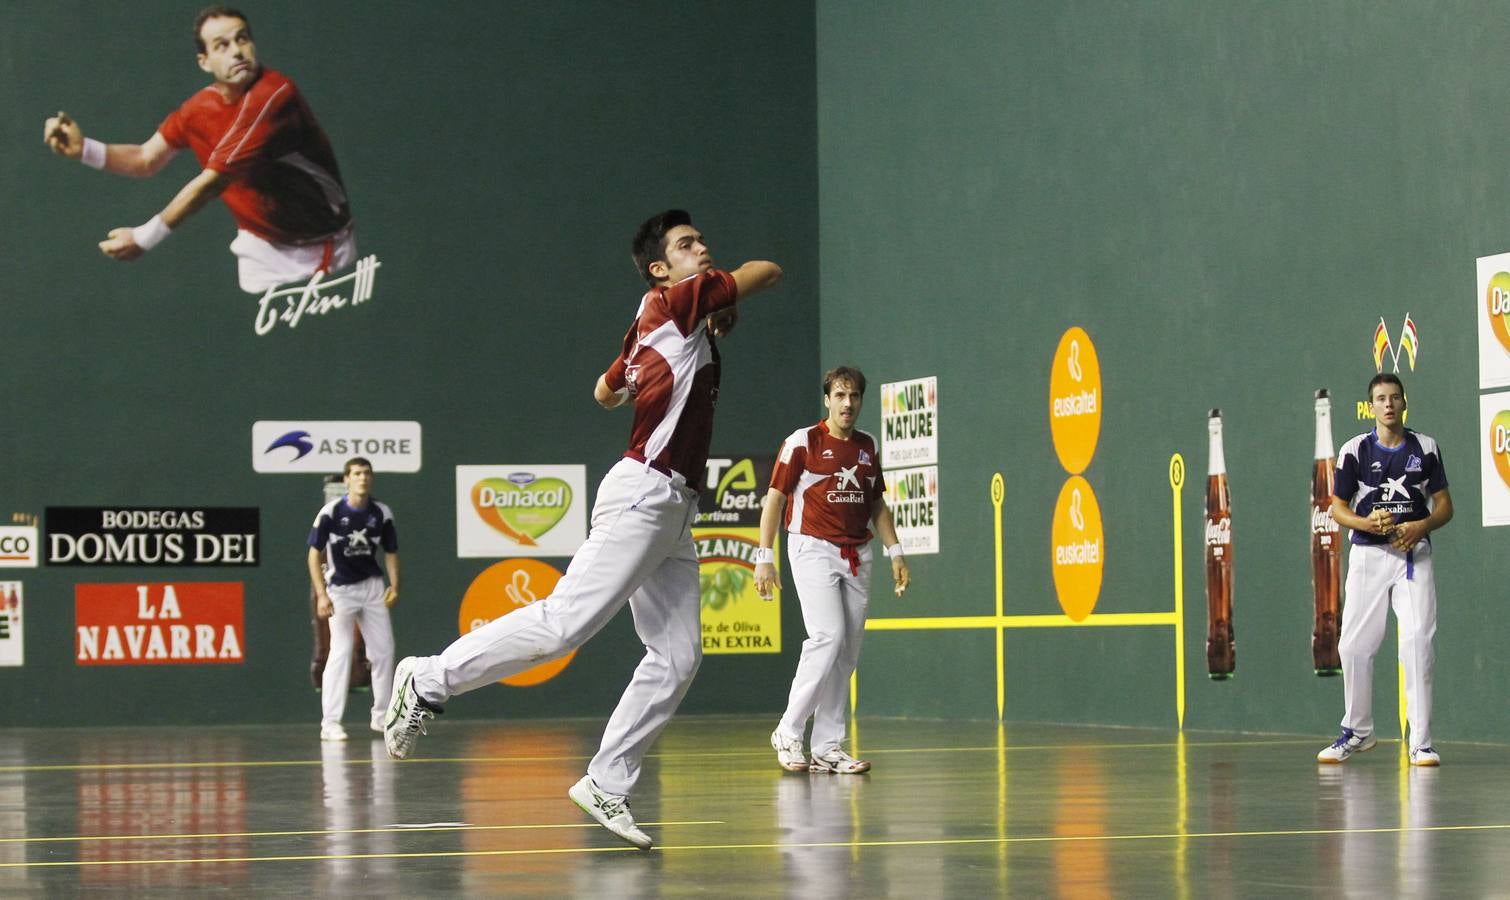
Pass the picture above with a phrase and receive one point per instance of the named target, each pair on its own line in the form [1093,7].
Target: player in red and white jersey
[833,478]
[640,547]
[261,151]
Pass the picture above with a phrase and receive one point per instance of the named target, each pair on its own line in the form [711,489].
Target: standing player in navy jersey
[1391,490]
[640,547]
[349,590]
[831,473]
[261,151]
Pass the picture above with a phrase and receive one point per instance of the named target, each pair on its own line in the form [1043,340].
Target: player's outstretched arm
[63,136]
[755,276]
[126,244]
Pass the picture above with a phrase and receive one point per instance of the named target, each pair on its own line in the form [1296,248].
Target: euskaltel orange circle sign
[1075,400]
[506,587]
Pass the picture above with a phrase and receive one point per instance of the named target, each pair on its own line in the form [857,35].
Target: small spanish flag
[1381,345]
[1410,342]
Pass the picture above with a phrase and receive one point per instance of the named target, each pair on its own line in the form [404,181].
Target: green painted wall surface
[498,158]
[1227,197]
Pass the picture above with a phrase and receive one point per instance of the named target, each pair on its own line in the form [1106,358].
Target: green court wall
[498,159]
[1228,198]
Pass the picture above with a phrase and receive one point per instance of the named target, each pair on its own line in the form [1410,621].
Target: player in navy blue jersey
[343,565]
[1391,490]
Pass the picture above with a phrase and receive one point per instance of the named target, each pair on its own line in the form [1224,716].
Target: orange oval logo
[1075,400]
[1079,548]
[1499,444]
[503,588]
[1497,307]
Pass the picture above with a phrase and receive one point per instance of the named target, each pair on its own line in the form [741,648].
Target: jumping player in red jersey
[833,477]
[262,153]
[640,547]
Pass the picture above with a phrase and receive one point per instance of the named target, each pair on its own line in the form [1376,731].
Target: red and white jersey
[670,366]
[832,485]
[286,186]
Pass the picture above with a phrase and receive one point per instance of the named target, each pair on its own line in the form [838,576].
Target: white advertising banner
[18,547]
[1494,454]
[1491,309]
[520,510]
[11,642]
[909,423]
[913,495]
[301,447]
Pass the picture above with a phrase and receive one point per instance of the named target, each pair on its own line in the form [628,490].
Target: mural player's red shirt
[286,186]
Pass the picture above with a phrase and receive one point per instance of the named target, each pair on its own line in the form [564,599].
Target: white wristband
[763,556]
[151,234]
[94,154]
[894,551]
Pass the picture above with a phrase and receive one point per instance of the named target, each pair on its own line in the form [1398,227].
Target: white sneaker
[1425,756]
[611,811]
[332,732]
[837,762]
[407,712]
[789,753]
[1347,743]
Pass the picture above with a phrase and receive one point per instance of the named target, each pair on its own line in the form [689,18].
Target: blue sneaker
[1347,743]
[1425,756]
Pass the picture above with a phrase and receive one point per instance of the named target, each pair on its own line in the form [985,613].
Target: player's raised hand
[121,245]
[723,321]
[63,135]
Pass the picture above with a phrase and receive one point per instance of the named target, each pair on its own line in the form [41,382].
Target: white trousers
[833,610]
[639,550]
[1379,577]
[262,264]
[359,604]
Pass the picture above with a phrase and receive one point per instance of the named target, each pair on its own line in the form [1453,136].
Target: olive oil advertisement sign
[727,532]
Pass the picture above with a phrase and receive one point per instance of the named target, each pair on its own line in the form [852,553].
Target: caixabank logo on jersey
[151,536]
[159,624]
[520,510]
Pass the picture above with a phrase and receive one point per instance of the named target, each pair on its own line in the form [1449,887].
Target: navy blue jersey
[1399,480]
[349,539]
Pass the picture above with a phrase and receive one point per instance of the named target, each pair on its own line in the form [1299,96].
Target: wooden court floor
[951,809]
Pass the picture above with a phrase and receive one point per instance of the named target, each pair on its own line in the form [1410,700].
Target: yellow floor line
[926,842]
[395,829]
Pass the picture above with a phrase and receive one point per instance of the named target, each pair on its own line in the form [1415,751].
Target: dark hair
[355,461]
[217,12]
[854,376]
[650,240]
[1384,378]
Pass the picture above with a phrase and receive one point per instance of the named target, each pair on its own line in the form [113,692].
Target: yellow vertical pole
[1176,484]
[998,491]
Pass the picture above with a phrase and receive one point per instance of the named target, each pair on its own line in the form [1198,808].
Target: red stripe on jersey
[832,485]
[670,366]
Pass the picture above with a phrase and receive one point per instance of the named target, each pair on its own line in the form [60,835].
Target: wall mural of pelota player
[265,156]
